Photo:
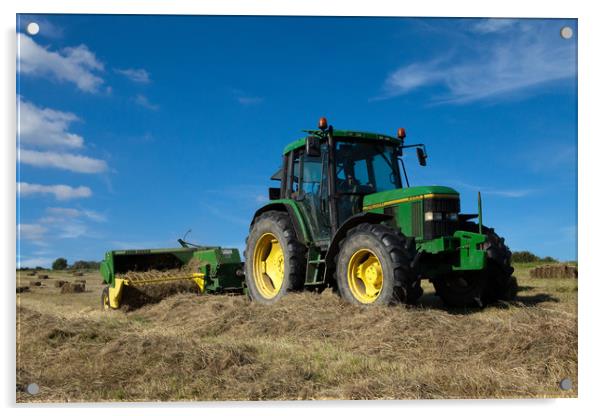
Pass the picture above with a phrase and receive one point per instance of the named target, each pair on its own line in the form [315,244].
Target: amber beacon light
[323,123]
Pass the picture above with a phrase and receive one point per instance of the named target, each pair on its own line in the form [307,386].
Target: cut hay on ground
[134,297]
[307,346]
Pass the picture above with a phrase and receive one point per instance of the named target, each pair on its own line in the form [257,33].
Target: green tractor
[343,218]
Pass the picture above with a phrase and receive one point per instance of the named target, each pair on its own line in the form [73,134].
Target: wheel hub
[268,265]
[365,276]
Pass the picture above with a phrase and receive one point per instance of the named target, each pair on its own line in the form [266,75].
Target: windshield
[364,167]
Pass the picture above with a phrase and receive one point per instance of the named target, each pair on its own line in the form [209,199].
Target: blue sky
[135,129]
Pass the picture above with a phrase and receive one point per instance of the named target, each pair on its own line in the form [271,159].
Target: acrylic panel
[216,208]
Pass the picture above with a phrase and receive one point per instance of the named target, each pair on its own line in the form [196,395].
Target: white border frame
[590,70]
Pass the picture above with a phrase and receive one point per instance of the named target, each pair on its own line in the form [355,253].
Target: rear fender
[106,269]
[289,206]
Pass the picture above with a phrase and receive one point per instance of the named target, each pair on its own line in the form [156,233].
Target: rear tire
[373,267]
[479,288]
[275,259]
[104,299]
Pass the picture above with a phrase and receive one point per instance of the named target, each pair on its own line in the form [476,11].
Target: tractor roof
[342,133]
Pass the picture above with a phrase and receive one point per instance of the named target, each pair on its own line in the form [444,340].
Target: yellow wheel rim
[365,276]
[268,266]
[105,302]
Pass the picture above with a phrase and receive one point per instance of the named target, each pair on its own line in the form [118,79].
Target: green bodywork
[219,265]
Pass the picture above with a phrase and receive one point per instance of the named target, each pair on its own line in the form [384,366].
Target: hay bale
[22,289]
[82,281]
[43,276]
[79,274]
[32,273]
[59,283]
[554,271]
[73,288]
[35,283]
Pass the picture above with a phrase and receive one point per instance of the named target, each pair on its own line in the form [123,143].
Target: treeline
[62,264]
[528,257]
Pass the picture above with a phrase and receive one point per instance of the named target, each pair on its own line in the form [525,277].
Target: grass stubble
[308,346]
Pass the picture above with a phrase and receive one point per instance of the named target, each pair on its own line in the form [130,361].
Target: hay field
[194,348]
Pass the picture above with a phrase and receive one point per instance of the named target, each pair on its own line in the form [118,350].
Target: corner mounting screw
[566,384]
[33,389]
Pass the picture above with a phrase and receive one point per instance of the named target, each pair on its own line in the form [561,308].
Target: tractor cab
[329,172]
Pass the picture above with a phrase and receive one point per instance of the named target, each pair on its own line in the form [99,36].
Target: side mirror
[421,156]
[312,146]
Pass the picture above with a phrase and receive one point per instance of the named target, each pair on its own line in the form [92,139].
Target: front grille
[435,229]
[442,204]
[445,227]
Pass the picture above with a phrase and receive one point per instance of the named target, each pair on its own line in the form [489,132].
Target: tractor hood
[399,196]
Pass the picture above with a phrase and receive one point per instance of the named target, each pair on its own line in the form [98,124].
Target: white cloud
[493,25]
[48,128]
[60,192]
[60,214]
[45,127]
[75,64]
[531,55]
[72,230]
[33,232]
[509,193]
[552,156]
[56,212]
[414,76]
[59,223]
[250,100]
[143,101]
[66,161]
[505,193]
[245,99]
[140,76]
[35,262]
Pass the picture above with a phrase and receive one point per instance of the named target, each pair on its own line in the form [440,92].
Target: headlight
[433,216]
[452,216]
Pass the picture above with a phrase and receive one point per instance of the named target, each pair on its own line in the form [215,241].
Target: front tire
[479,288]
[275,258]
[373,267]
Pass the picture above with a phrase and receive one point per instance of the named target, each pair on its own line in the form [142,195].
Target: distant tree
[524,257]
[528,257]
[85,265]
[59,264]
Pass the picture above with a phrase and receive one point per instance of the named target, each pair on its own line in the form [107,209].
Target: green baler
[208,269]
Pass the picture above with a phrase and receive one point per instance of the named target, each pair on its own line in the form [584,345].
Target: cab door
[312,192]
